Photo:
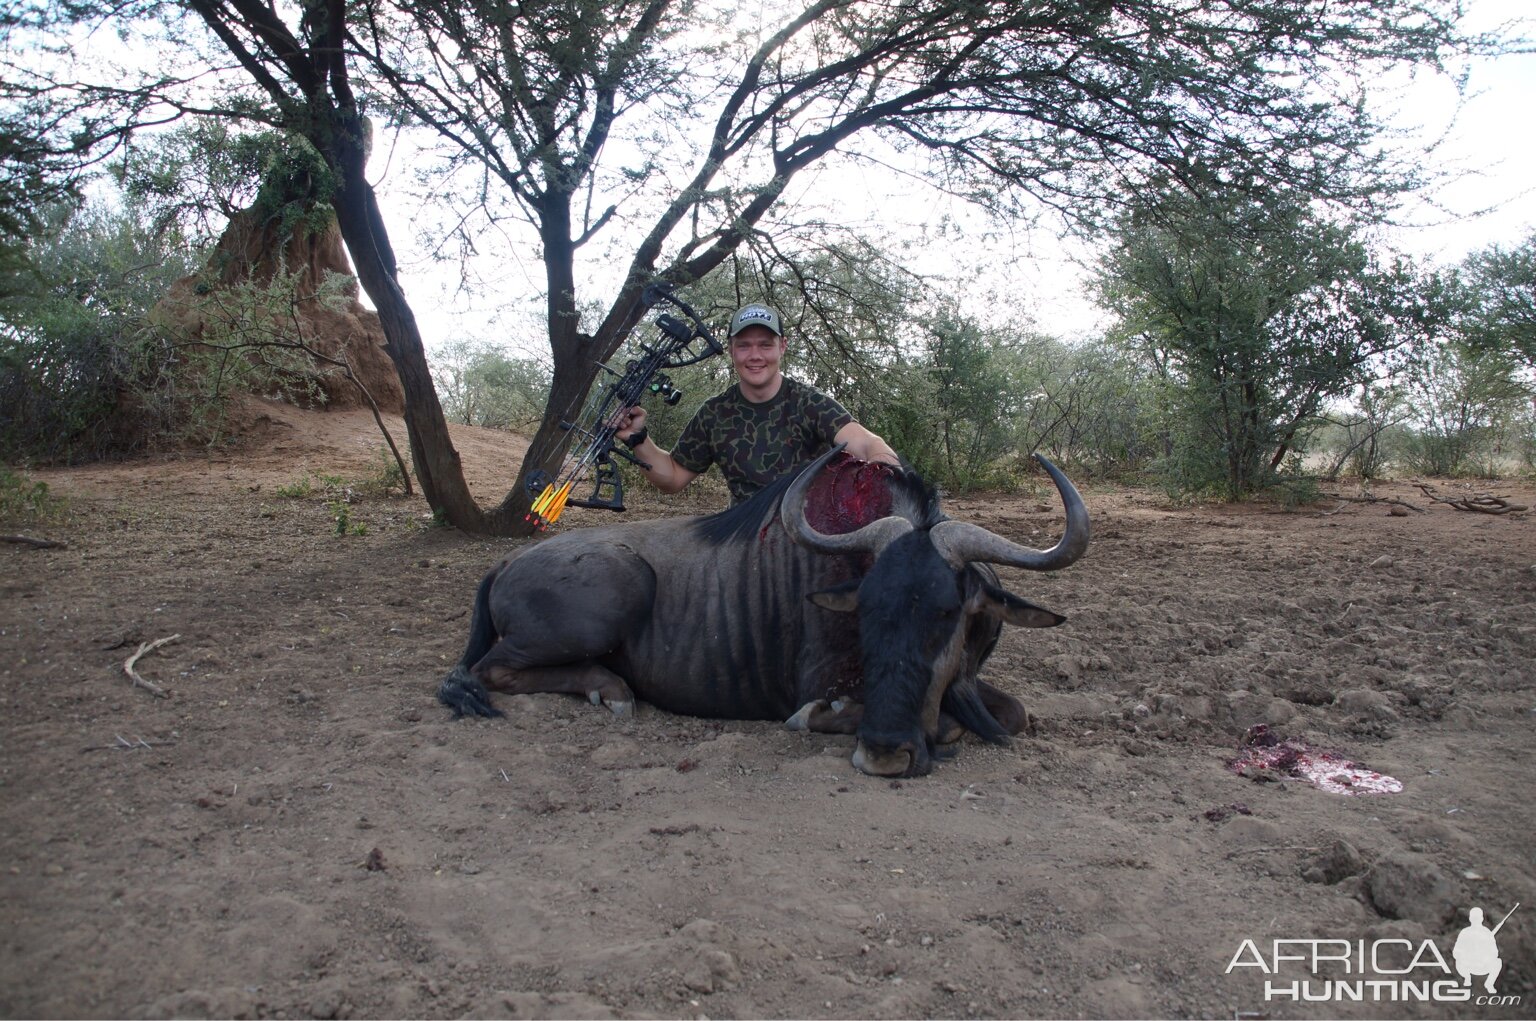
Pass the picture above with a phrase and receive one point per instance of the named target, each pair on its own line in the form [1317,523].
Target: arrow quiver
[677,344]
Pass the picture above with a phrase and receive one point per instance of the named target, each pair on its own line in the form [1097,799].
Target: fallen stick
[1483,503]
[1489,505]
[1270,850]
[27,540]
[122,743]
[134,676]
[1371,499]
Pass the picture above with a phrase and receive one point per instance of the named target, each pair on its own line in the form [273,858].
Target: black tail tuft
[465,695]
[460,691]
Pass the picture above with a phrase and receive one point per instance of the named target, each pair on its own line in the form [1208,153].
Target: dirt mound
[298,829]
[255,247]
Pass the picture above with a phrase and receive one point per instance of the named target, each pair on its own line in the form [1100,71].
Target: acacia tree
[1499,290]
[480,384]
[1092,406]
[1255,311]
[1463,399]
[670,133]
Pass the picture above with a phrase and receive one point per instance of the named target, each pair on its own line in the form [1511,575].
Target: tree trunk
[437,463]
[574,364]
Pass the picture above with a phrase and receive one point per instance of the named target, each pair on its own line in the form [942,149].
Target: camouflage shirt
[756,443]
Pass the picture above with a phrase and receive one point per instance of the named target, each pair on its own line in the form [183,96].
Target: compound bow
[677,345]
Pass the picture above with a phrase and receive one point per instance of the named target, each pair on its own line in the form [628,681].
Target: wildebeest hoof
[802,719]
[617,706]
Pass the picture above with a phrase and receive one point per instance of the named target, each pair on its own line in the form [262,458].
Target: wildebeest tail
[963,702]
[460,690]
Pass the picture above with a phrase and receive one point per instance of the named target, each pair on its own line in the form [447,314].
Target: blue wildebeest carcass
[758,613]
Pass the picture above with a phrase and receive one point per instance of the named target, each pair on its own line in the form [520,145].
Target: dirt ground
[298,829]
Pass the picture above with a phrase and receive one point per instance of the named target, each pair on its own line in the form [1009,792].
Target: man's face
[757,354]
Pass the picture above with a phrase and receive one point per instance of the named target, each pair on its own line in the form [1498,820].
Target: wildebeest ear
[842,597]
[1010,609]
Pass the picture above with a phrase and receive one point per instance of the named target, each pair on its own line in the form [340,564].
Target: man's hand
[663,472]
[865,445]
[629,422]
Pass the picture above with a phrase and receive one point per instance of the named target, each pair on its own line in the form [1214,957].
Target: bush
[80,376]
[480,384]
[1470,406]
[24,500]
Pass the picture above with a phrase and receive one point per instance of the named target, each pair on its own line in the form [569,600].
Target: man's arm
[865,445]
[665,474]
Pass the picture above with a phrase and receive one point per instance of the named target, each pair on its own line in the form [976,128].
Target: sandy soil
[298,829]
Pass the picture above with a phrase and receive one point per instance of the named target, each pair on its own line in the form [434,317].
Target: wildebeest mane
[744,520]
[909,497]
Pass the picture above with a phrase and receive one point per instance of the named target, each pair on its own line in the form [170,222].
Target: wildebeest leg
[1005,709]
[559,608]
[600,685]
[839,716]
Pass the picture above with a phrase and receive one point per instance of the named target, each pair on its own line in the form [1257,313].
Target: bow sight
[677,345]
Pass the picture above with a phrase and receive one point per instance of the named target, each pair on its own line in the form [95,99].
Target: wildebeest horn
[872,538]
[961,542]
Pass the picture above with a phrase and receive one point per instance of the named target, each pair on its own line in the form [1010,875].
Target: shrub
[24,500]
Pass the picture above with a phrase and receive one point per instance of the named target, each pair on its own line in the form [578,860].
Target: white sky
[1488,146]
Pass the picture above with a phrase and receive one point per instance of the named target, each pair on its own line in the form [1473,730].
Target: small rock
[1278,712]
[1334,865]
[1221,813]
[1309,693]
[1382,561]
[1244,831]
[701,929]
[722,967]
[1410,887]
[1248,708]
[1366,702]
